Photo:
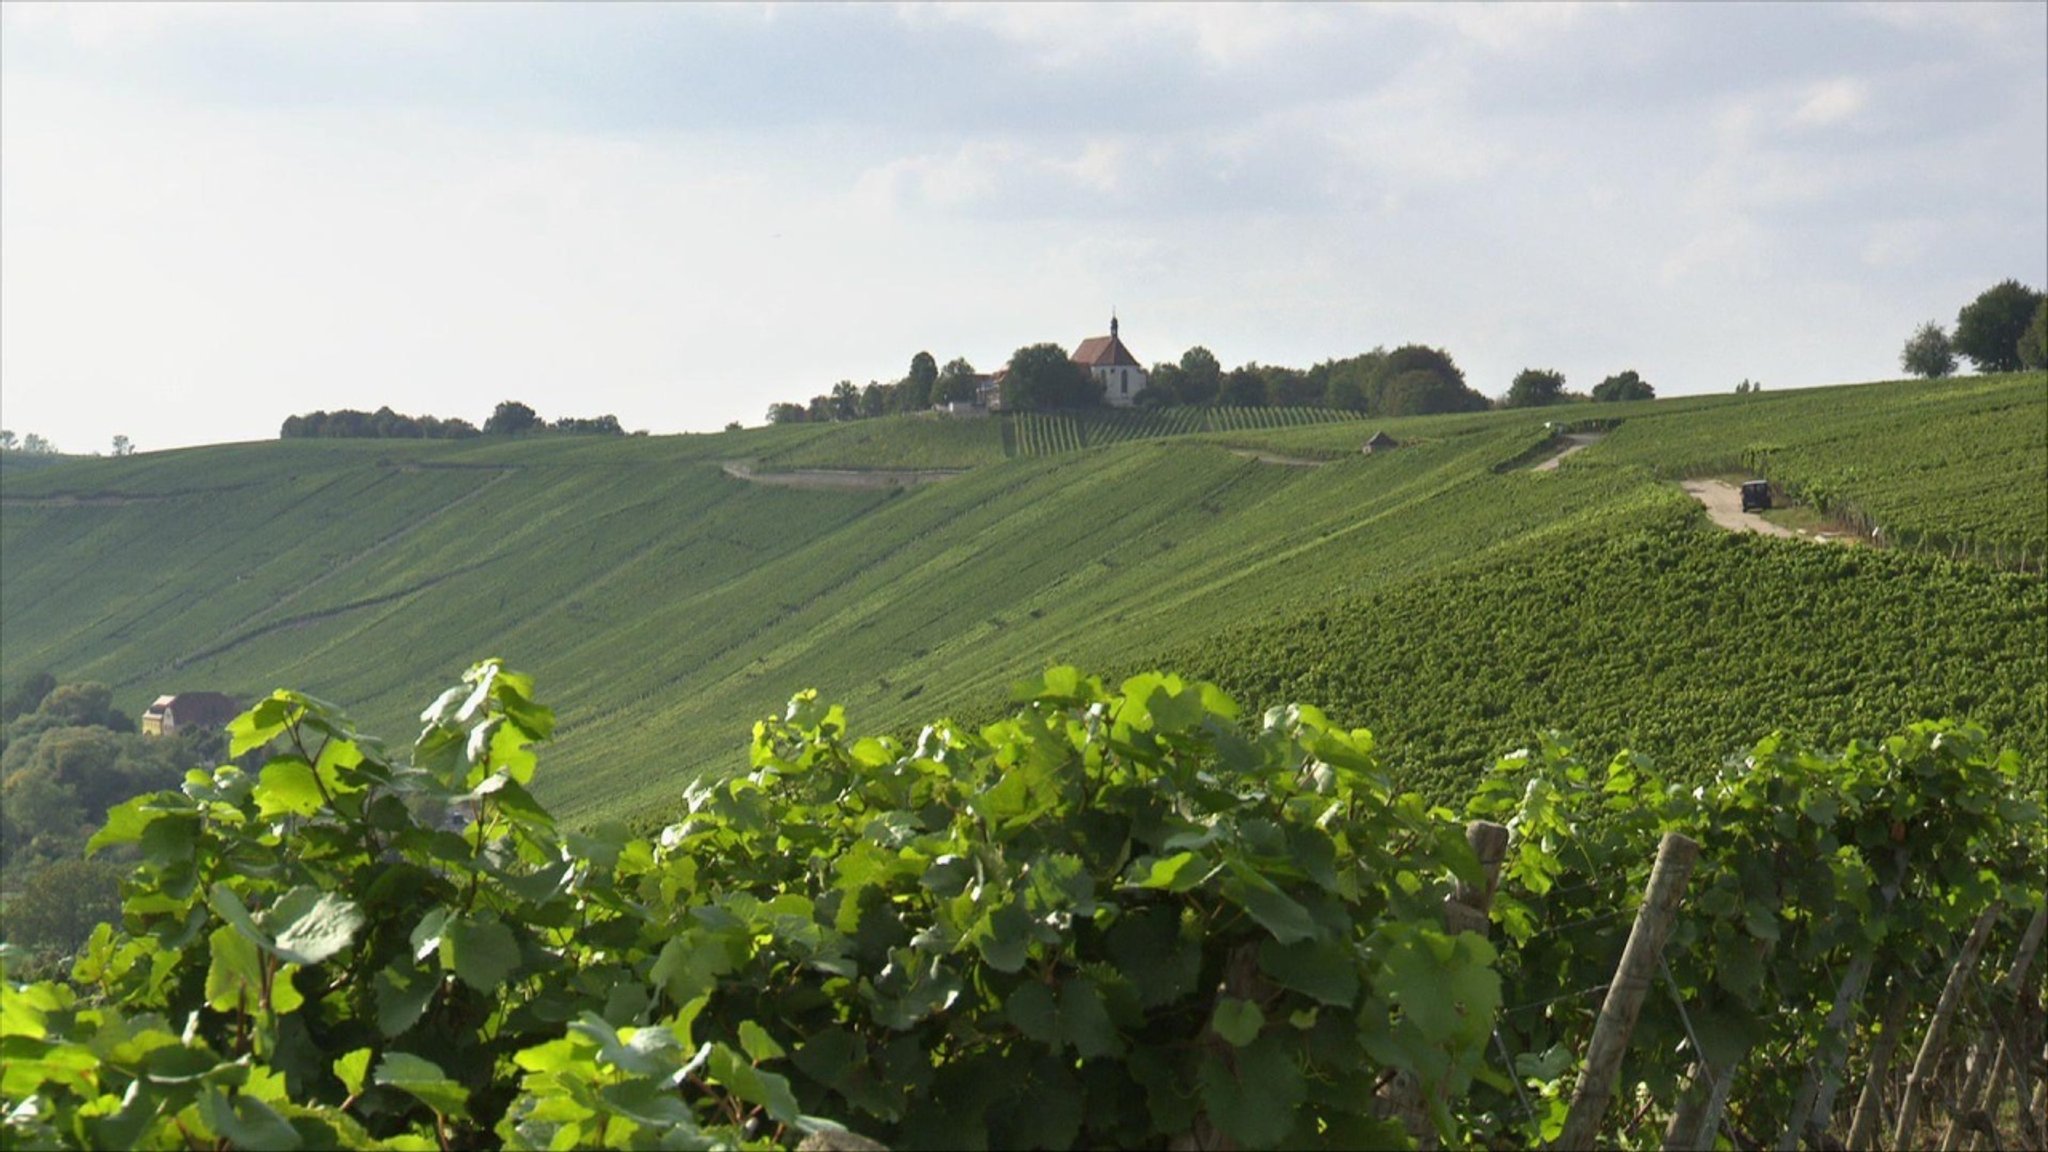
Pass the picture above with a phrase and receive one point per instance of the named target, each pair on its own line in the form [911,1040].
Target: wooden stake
[1807,1108]
[1863,1131]
[1999,1048]
[1814,1107]
[1699,1110]
[1675,858]
[1937,1030]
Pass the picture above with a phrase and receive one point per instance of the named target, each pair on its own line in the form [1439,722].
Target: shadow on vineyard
[1129,917]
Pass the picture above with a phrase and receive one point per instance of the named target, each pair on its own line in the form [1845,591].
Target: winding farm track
[1276,458]
[1724,507]
[840,479]
[1574,442]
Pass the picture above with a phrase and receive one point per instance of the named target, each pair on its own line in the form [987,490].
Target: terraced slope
[1953,465]
[663,602]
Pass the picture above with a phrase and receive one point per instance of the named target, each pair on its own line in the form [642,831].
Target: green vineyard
[1047,433]
[1475,598]
[1130,918]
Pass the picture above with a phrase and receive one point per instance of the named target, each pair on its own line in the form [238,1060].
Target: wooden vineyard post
[1815,1102]
[1639,960]
[1470,909]
[1863,1130]
[1999,1050]
[1466,909]
[1937,1030]
[1814,1108]
[1706,1093]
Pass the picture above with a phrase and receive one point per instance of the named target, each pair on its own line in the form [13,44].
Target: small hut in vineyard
[1380,442]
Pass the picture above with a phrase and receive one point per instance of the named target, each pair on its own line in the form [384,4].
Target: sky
[213,217]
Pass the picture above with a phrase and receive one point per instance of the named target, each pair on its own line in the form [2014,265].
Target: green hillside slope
[1661,637]
[664,603]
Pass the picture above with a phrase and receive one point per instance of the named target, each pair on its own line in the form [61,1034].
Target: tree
[1534,388]
[86,762]
[36,445]
[2034,341]
[1447,391]
[1624,385]
[917,386]
[27,696]
[1154,398]
[956,383]
[877,398]
[1201,376]
[1291,386]
[1420,392]
[1422,358]
[84,704]
[1348,383]
[733,426]
[1162,386]
[1244,388]
[845,401]
[1042,376]
[511,418]
[1928,353]
[7,440]
[61,903]
[1988,329]
[785,413]
[606,425]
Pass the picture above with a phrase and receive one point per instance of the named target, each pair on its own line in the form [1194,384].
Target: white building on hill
[1106,359]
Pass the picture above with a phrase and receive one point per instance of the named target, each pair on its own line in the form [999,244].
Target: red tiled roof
[1105,352]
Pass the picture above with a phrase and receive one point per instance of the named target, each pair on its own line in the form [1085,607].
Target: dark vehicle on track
[1756,496]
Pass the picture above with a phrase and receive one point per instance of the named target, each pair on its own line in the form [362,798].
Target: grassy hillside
[23,463]
[663,604]
[1944,463]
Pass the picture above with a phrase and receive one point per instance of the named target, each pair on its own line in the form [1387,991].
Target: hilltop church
[1107,360]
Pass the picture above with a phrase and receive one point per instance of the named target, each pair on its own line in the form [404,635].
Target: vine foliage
[1114,918]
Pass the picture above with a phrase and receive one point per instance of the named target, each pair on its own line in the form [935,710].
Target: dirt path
[1724,506]
[1574,442]
[838,479]
[1276,458]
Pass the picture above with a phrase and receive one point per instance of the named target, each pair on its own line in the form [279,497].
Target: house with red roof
[1108,361]
[168,714]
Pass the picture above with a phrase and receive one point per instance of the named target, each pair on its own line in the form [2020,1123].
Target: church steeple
[1112,324]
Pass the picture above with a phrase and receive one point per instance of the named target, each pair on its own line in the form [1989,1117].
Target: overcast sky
[214,217]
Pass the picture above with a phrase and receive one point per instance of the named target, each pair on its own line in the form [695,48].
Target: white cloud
[1831,102]
[1076,35]
[1003,176]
